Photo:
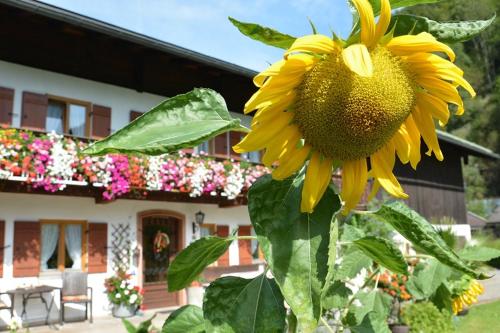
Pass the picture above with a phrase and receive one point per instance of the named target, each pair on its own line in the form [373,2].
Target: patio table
[33,292]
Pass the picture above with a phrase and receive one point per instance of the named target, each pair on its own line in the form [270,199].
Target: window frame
[67,101]
[61,253]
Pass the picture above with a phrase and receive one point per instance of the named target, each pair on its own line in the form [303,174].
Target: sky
[203,26]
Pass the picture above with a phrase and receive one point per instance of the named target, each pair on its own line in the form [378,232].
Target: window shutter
[26,249]
[234,138]
[223,231]
[220,144]
[98,248]
[34,111]
[6,103]
[2,246]
[101,121]
[135,114]
[245,246]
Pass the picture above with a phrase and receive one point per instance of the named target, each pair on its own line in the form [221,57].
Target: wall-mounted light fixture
[198,221]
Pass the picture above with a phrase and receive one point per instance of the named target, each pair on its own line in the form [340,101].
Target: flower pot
[397,328]
[124,310]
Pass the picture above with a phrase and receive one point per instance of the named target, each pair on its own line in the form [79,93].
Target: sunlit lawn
[481,318]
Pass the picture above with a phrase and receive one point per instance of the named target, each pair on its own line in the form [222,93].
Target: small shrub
[425,317]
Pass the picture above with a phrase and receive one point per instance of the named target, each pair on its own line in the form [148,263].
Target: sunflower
[353,106]
[468,297]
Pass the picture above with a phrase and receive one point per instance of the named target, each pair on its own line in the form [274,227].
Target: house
[83,79]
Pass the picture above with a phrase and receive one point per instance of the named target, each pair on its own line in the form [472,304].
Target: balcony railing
[52,162]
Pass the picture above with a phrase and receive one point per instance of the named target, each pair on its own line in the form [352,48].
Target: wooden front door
[161,242]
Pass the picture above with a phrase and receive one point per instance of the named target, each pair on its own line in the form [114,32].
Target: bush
[425,317]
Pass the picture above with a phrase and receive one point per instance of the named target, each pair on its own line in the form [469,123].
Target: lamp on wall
[198,221]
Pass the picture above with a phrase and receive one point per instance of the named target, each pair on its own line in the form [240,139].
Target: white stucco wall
[31,207]
[121,100]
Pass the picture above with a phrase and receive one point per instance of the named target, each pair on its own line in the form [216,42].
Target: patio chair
[76,291]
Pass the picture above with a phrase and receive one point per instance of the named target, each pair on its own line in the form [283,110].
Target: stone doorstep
[101,324]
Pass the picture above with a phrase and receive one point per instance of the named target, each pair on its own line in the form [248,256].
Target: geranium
[120,290]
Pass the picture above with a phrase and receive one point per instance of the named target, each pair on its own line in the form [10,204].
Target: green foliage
[479,253]
[383,252]
[233,304]
[143,327]
[449,237]
[425,317]
[191,262]
[427,278]
[447,32]
[179,122]
[374,309]
[421,233]
[295,244]
[353,261]
[265,35]
[336,296]
[186,319]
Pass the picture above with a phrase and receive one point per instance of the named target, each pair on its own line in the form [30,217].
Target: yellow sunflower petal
[318,176]
[271,111]
[423,42]
[259,137]
[436,106]
[444,90]
[289,166]
[275,147]
[367,20]
[295,65]
[374,190]
[423,60]
[354,177]
[265,97]
[425,125]
[319,44]
[414,135]
[358,59]
[382,163]
[383,21]
[402,143]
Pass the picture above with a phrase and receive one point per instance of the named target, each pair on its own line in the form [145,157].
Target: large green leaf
[479,253]
[427,278]
[442,298]
[295,244]
[332,254]
[353,261]
[447,32]
[265,35]
[383,252]
[186,319]
[233,305]
[371,302]
[179,122]
[421,233]
[336,296]
[191,261]
[372,323]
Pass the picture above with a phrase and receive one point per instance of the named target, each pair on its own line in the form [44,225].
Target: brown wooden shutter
[2,246]
[34,111]
[245,246]
[234,138]
[26,249]
[220,144]
[135,114]
[6,105]
[223,231]
[98,248]
[101,121]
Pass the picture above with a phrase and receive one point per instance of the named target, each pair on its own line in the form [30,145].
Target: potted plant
[125,297]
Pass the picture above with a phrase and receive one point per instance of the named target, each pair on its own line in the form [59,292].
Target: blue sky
[202,26]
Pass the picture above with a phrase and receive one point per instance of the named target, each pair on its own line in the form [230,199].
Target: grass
[481,318]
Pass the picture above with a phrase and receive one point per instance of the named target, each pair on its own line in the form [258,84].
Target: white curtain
[50,238]
[77,114]
[73,240]
[54,120]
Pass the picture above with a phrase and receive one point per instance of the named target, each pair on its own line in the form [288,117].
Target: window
[63,245]
[67,116]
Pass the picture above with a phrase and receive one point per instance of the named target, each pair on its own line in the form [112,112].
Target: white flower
[130,287]
[123,284]
[126,291]
[234,183]
[118,295]
[133,299]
